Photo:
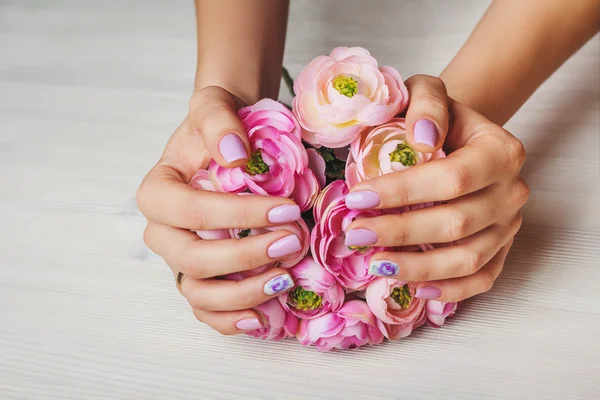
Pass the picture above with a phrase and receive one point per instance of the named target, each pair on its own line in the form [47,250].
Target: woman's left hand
[479,183]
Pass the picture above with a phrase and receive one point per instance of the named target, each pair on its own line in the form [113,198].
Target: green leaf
[287,78]
[244,233]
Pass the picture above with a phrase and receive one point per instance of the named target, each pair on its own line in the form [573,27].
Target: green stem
[287,78]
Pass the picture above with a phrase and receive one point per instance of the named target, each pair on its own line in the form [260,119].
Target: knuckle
[433,82]
[516,152]
[461,293]
[510,242]
[422,273]
[204,94]
[434,100]
[224,331]
[400,235]
[142,197]
[242,215]
[189,266]
[148,236]
[459,180]
[473,261]
[486,283]
[199,301]
[197,214]
[241,300]
[515,224]
[460,225]
[247,260]
[400,193]
[198,316]
[520,194]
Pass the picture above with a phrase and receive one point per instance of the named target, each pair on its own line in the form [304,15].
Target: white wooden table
[89,93]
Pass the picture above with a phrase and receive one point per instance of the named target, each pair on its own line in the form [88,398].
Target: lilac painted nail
[283,247]
[428,292]
[283,214]
[278,284]
[249,324]
[232,148]
[426,132]
[362,199]
[383,268]
[360,237]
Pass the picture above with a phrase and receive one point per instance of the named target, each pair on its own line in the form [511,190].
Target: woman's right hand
[173,209]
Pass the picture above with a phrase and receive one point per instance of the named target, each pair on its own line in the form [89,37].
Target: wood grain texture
[90,92]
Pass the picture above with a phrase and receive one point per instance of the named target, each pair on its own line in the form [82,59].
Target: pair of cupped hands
[478,185]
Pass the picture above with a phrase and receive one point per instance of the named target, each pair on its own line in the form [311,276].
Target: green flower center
[360,249]
[256,165]
[402,296]
[305,300]
[345,85]
[404,154]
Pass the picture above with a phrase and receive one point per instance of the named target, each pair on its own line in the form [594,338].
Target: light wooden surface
[89,93]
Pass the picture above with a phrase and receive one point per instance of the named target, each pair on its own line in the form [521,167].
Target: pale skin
[483,86]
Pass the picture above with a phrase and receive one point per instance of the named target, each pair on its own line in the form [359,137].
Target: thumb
[427,115]
[213,115]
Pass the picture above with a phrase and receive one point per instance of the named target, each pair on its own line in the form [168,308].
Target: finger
[230,322]
[185,252]
[427,114]
[464,258]
[213,113]
[458,289]
[162,197]
[224,295]
[493,155]
[437,224]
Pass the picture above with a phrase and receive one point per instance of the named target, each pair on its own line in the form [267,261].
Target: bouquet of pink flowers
[343,129]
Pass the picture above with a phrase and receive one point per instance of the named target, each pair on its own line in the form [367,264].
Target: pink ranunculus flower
[317,291]
[438,311]
[338,95]
[354,325]
[201,181]
[382,150]
[279,164]
[278,324]
[394,304]
[298,228]
[332,218]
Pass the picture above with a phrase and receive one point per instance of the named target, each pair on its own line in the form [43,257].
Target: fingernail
[429,292]
[283,247]
[285,213]
[278,284]
[360,237]
[426,132]
[249,324]
[232,148]
[362,199]
[383,268]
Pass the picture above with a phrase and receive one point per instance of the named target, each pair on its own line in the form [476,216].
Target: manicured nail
[249,324]
[232,148]
[362,199]
[283,247]
[383,268]
[278,284]
[360,237]
[426,132]
[283,214]
[429,292]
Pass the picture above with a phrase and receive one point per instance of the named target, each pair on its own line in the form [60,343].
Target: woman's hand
[479,183]
[173,209]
